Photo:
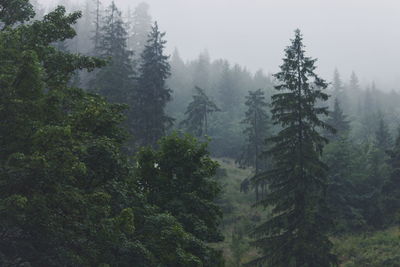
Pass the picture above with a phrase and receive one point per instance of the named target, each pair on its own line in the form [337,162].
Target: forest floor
[372,249]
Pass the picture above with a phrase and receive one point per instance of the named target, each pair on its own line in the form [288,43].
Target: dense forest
[114,153]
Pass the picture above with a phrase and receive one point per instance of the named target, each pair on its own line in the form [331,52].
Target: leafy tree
[115,81]
[197,113]
[68,196]
[178,178]
[13,11]
[152,94]
[296,233]
[60,160]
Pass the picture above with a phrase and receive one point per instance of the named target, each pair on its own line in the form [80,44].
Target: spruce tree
[198,112]
[296,233]
[97,26]
[338,89]
[226,89]
[338,121]
[140,27]
[256,120]
[152,94]
[391,188]
[115,81]
[383,139]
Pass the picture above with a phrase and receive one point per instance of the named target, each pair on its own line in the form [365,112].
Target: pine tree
[338,121]
[152,94]
[198,112]
[115,81]
[296,233]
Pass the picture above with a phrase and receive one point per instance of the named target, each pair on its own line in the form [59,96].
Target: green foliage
[152,94]
[342,192]
[115,80]
[296,233]
[374,249]
[197,113]
[390,189]
[13,11]
[178,179]
[256,119]
[338,121]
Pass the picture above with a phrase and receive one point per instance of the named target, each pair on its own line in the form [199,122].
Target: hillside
[369,249]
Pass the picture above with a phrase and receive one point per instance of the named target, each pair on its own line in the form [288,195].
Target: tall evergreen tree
[226,89]
[152,94]
[198,112]
[256,120]
[338,121]
[338,89]
[383,139]
[97,27]
[391,187]
[296,233]
[140,26]
[115,81]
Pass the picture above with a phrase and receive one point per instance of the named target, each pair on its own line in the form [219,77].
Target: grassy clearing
[377,249]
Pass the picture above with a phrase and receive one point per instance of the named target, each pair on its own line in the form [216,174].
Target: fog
[351,35]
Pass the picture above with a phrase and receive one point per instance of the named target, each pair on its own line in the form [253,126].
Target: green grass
[238,211]
[376,249]
[372,249]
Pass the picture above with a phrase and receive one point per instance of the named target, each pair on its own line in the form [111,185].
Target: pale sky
[359,35]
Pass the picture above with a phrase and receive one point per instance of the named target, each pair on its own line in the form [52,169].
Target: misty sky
[359,35]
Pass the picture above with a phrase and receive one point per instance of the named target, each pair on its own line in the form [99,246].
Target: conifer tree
[115,81]
[97,26]
[338,121]
[198,112]
[140,27]
[226,91]
[152,94]
[391,187]
[338,89]
[383,139]
[296,233]
[256,120]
